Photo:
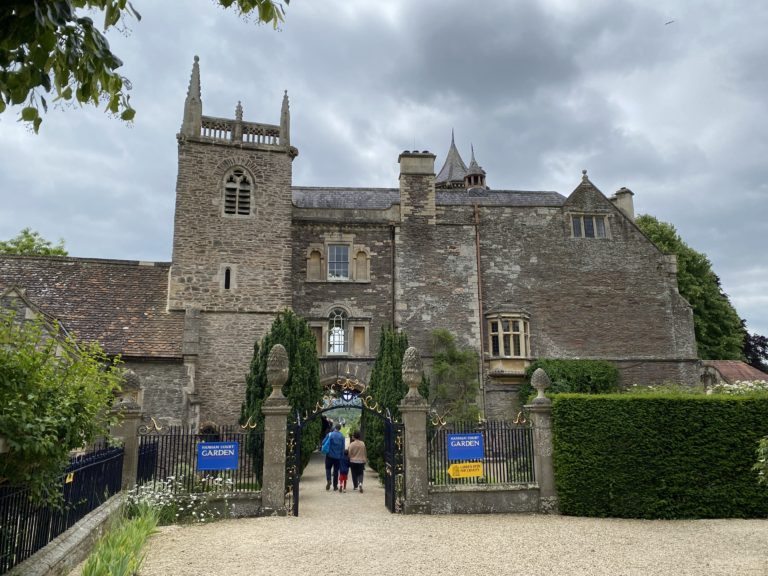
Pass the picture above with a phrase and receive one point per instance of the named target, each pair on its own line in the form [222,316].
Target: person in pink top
[357,459]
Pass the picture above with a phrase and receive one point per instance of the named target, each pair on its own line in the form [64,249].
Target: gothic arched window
[337,332]
[237,193]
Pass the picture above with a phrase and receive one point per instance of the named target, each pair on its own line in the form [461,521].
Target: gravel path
[354,533]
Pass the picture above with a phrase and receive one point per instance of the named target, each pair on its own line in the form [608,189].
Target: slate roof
[383,198]
[454,169]
[119,303]
[733,370]
[349,198]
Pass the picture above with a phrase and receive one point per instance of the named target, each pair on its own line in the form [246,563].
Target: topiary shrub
[582,376]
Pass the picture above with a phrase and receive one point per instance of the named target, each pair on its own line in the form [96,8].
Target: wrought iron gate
[394,480]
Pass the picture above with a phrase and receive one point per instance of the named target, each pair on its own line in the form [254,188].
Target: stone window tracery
[337,332]
[237,193]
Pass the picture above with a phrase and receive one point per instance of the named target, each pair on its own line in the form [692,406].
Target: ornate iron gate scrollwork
[394,483]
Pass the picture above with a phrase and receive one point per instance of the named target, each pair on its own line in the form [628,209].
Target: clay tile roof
[119,303]
[733,370]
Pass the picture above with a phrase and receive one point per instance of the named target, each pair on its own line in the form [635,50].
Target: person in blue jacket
[333,457]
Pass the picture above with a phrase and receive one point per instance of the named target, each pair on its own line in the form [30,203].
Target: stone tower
[231,269]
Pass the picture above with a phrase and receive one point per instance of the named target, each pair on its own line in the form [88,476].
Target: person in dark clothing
[325,428]
[343,472]
[333,458]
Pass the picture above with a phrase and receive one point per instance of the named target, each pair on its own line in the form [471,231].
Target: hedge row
[584,376]
[665,456]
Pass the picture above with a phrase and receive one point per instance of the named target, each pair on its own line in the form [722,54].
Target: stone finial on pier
[540,381]
[412,372]
[277,370]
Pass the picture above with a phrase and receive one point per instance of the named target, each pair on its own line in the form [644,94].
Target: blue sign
[465,447]
[217,455]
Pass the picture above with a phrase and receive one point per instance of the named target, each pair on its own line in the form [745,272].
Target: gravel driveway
[353,533]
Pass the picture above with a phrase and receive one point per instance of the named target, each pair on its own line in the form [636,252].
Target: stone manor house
[516,275]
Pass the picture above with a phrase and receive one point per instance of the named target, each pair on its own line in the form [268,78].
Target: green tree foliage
[454,387]
[54,398]
[583,376]
[30,243]
[756,350]
[387,389]
[53,46]
[302,388]
[719,332]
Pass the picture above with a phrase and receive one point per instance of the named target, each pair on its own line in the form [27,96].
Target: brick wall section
[163,382]
[257,247]
[226,349]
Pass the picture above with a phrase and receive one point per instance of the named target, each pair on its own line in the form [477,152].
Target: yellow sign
[70,477]
[465,470]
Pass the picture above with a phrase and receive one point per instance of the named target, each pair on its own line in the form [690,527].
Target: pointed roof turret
[475,176]
[452,173]
[193,105]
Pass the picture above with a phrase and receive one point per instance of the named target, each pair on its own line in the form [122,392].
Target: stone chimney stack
[622,199]
[193,105]
[417,187]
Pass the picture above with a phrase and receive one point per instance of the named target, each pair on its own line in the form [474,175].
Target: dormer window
[237,193]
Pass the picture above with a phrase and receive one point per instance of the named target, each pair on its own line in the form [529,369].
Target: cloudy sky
[666,98]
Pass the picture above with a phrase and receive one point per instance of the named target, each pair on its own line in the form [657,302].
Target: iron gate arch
[394,480]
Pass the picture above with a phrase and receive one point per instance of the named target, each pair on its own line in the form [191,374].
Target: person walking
[357,459]
[343,471]
[333,457]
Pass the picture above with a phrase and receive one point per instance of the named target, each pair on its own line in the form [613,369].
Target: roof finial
[239,112]
[584,175]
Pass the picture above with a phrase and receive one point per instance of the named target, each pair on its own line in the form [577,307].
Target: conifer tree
[302,389]
[387,389]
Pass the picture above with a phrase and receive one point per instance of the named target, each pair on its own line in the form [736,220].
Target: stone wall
[256,248]
[369,301]
[162,382]
[609,298]
[226,349]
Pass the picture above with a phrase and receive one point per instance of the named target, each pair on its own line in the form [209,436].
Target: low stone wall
[62,554]
[478,499]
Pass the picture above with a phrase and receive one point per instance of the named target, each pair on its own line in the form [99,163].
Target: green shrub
[662,456]
[118,553]
[173,503]
[583,376]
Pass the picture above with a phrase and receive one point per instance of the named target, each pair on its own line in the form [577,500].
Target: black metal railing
[25,528]
[171,452]
[507,455]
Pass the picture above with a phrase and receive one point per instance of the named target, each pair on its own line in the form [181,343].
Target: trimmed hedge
[584,376]
[665,456]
